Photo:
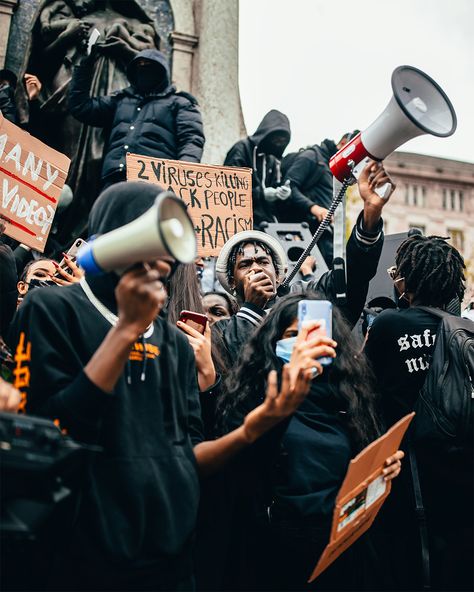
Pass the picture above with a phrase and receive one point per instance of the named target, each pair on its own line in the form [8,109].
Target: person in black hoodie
[311,183]
[149,117]
[8,82]
[262,153]
[95,357]
[8,289]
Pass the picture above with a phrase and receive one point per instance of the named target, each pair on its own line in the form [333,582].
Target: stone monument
[199,37]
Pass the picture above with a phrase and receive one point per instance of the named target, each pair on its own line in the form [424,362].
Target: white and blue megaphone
[164,230]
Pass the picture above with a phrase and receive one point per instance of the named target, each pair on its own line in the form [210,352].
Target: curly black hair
[432,268]
[350,373]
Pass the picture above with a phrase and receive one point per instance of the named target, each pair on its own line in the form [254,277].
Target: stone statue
[59,41]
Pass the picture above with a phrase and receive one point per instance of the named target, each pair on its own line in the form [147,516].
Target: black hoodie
[253,152]
[161,123]
[141,493]
[311,180]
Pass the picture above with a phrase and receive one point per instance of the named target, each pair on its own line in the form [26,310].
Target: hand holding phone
[198,333]
[316,310]
[70,255]
[194,319]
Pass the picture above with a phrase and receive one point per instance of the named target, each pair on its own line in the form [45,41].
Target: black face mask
[36,283]
[148,80]
[268,147]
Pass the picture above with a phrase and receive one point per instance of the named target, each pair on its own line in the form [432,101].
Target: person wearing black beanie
[99,357]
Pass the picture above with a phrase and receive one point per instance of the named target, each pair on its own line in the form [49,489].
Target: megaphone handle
[283,288]
[384,191]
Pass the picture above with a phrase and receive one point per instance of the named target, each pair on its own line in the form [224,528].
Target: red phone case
[194,319]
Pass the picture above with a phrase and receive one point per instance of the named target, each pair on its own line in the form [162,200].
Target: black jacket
[7,103]
[249,152]
[140,495]
[164,124]
[362,256]
[310,180]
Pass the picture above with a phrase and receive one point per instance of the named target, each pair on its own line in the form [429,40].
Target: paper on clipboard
[361,495]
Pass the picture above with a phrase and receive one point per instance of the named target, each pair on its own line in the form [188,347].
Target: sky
[327,64]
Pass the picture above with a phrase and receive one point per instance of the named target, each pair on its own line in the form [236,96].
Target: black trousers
[295,550]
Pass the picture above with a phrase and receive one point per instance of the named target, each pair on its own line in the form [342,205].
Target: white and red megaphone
[418,106]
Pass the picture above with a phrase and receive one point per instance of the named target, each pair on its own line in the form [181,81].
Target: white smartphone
[317,310]
[72,253]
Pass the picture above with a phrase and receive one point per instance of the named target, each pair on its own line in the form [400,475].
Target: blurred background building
[433,194]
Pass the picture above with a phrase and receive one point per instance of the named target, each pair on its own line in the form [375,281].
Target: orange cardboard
[219,198]
[362,494]
[31,178]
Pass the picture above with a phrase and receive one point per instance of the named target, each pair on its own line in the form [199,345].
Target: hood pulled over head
[153,76]
[273,134]
[120,204]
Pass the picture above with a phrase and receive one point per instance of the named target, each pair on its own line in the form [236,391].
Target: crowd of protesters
[219,452]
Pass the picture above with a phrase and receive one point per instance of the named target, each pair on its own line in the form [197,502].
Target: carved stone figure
[59,41]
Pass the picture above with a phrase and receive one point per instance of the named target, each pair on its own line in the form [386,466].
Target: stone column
[183,51]
[216,76]
[6,11]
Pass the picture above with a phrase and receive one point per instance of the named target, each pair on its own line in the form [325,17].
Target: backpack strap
[421,517]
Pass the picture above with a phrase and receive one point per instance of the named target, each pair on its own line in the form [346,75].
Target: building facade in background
[433,194]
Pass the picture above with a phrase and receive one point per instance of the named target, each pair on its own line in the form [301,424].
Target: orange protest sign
[31,176]
[361,495]
[219,198]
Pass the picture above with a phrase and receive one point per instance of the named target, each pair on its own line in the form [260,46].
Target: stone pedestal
[205,62]
[6,12]
[216,76]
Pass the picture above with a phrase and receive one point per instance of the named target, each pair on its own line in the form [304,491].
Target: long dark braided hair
[350,376]
[432,268]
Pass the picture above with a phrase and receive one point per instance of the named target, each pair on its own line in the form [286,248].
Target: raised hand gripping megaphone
[164,230]
[418,106]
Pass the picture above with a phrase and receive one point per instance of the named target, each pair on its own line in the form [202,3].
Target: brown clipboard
[362,494]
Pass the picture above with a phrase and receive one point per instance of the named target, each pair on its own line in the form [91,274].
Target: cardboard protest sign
[31,176]
[361,495]
[219,198]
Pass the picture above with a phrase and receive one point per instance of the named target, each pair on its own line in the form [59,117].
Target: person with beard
[149,117]
[262,153]
[100,359]
[311,182]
